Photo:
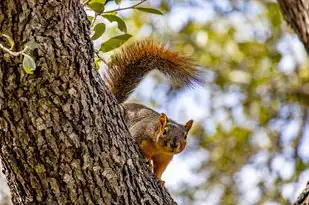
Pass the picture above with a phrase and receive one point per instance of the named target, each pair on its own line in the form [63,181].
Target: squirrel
[159,138]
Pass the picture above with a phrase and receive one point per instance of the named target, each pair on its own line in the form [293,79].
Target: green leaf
[97,5]
[32,44]
[149,10]
[118,2]
[90,18]
[28,64]
[111,13]
[121,24]
[98,1]
[97,63]
[98,31]
[9,39]
[114,42]
[300,166]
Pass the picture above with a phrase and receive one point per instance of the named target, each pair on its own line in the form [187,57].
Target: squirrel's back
[128,67]
[135,112]
[141,120]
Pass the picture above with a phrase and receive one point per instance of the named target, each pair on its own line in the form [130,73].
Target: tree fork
[63,139]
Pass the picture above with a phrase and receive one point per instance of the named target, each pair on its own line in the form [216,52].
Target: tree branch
[12,52]
[296,13]
[125,8]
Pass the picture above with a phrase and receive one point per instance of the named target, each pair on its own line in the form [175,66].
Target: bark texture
[303,198]
[296,13]
[62,137]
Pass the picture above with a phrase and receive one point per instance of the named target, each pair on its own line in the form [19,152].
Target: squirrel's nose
[174,144]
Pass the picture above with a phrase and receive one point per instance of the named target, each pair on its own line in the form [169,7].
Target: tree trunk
[62,137]
[296,13]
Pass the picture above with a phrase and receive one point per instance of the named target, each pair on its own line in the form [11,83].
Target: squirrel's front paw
[162,183]
[149,165]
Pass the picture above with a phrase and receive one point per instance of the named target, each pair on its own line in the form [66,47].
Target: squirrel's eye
[164,132]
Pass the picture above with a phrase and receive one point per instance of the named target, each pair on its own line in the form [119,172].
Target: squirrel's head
[172,137]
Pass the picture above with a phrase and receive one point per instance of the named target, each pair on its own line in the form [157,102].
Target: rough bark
[303,198]
[296,13]
[62,137]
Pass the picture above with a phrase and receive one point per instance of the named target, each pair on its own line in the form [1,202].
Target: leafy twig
[28,62]
[129,7]
[102,59]
[94,18]
[12,52]
[86,2]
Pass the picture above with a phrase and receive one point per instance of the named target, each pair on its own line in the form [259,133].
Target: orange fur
[129,66]
[159,158]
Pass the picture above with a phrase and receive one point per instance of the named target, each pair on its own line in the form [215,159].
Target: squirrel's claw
[162,183]
[149,165]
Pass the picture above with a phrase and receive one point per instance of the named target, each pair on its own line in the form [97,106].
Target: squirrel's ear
[163,120]
[188,125]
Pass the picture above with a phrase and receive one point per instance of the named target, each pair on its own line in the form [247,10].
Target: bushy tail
[128,67]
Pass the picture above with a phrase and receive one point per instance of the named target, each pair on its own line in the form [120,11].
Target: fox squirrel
[158,137]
